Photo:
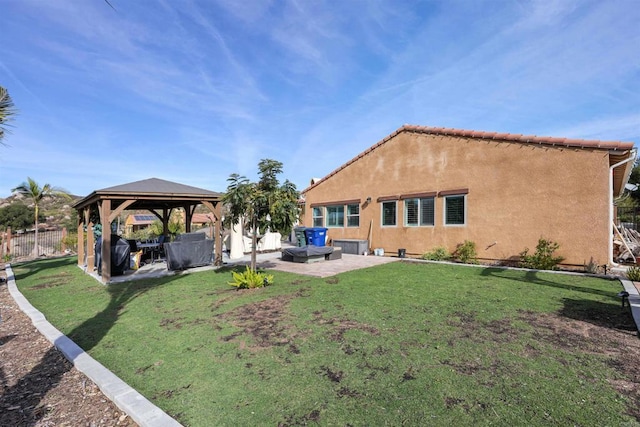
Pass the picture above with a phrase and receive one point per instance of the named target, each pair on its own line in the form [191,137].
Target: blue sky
[192,91]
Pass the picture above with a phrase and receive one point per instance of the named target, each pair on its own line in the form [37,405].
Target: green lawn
[397,344]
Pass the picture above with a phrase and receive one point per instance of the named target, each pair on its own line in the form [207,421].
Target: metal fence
[629,217]
[21,245]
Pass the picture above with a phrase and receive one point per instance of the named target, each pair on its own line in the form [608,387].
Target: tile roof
[202,218]
[495,136]
[526,139]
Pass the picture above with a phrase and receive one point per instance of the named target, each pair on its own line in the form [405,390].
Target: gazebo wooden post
[91,248]
[217,227]
[216,210]
[81,251]
[105,212]
[166,213]
[188,214]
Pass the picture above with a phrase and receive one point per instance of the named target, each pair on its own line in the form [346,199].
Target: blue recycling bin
[316,236]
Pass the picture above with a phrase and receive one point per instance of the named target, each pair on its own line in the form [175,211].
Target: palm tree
[263,204]
[31,190]
[7,111]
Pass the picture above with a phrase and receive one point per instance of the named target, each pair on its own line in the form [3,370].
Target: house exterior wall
[517,193]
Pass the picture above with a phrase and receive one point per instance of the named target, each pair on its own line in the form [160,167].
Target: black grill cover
[190,237]
[120,255]
[186,254]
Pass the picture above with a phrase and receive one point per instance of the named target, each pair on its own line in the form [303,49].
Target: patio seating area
[311,253]
[265,260]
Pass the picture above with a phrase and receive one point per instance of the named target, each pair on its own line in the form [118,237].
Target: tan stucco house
[424,187]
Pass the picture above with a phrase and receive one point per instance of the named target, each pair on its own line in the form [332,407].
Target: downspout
[632,157]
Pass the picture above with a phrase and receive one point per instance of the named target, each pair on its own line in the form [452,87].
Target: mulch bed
[38,385]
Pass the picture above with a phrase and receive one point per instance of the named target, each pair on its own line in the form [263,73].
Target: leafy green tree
[7,111]
[262,205]
[634,179]
[175,226]
[17,216]
[32,190]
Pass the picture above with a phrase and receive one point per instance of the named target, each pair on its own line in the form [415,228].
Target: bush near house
[466,252]
[592,267]
[439,253]
[633,274]
[543,258]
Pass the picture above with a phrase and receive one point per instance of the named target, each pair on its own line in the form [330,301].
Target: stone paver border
[634,301]
[141,410]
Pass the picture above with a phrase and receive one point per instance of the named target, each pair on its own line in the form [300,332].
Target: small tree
[175,226]
[36,194]
[263,204]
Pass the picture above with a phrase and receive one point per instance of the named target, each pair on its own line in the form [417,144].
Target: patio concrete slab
[266,260]
[319,269]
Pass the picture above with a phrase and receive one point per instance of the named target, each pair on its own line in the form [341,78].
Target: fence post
[8,241]
[63,245]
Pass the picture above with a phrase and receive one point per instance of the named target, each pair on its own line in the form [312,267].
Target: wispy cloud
[193,91]
[621,128]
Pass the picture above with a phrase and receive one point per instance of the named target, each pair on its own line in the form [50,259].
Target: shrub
[592,267]
[70,241]
[633,274]
[439,253]
[466,252]
[543,258]
[251,279]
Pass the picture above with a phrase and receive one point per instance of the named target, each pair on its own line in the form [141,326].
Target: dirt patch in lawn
[341,325]
[52,281]
[265,321]
[581,327]
[612,335]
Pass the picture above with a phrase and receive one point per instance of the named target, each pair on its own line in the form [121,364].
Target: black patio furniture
[189,250]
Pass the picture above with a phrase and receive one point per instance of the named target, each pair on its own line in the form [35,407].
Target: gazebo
[157,196]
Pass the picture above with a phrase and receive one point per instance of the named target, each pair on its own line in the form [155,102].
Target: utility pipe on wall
[632,156]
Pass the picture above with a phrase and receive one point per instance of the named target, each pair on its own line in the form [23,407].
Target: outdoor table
[149,248]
